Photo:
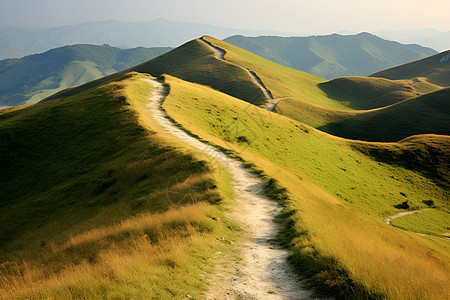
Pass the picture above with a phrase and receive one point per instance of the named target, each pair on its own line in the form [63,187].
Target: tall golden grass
[147,256]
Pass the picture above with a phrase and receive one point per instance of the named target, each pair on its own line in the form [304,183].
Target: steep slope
[32,78]
[429,113]
[86,209]
[435,69]
[334,55]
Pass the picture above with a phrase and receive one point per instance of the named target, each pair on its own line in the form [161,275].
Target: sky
[294,16]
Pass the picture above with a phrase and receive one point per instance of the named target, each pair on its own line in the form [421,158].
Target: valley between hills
[209,172]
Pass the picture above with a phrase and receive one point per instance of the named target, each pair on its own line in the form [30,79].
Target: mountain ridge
[335,55]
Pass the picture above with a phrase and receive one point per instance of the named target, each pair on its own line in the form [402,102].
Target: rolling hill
[429,113]
[334,55]
[32,78]
[92,156]
[434,69]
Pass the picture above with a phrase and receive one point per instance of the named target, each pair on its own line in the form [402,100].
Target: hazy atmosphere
[322,16]
[205,149]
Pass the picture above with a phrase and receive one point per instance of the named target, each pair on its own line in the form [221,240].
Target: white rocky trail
[264,272]
[220,54]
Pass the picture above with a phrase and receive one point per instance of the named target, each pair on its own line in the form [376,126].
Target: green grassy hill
[425,153]
[435,69]
[429,113]
[96,170]
[338,197]
[32,78]
[367,93]
[334,55]
[85,211]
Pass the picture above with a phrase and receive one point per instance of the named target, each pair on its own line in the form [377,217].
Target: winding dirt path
[220,54]
[264,272]
[390,218]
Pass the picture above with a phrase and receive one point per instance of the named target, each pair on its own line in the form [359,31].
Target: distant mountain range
[18,42]
[32,78]
[426,37]
[335,55]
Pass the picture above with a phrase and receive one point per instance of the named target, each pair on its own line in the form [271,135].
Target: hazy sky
[298,16]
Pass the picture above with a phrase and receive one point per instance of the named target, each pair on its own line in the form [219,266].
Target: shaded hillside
[85,211]
[333,55]
[435,69]
[429,113]
[369,93]
[428,154]
[32,78]
[196,62]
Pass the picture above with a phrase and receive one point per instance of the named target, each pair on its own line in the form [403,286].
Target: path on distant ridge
[263,272]
[220,54]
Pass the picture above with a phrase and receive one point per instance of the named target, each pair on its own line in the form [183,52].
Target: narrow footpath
[220,54]
[263,272]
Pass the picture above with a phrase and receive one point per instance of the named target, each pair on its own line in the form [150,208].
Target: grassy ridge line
[281,81]
[324,224]
[103,226]
[195,62]
[363,93]
[435,69]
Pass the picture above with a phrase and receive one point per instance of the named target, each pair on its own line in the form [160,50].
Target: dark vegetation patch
[428,154]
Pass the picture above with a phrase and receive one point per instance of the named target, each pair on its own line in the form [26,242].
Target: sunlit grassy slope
[85,206]
[339,196]
[435,69]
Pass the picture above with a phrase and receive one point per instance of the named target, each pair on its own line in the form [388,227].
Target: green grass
[339,196]
[363,93]
[281,81]
[427,221]
[85,209]
[195,62]
[311,114]
[430,68]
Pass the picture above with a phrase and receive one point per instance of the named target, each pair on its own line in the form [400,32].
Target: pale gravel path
[390,218]
[220,54]
[264,265]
